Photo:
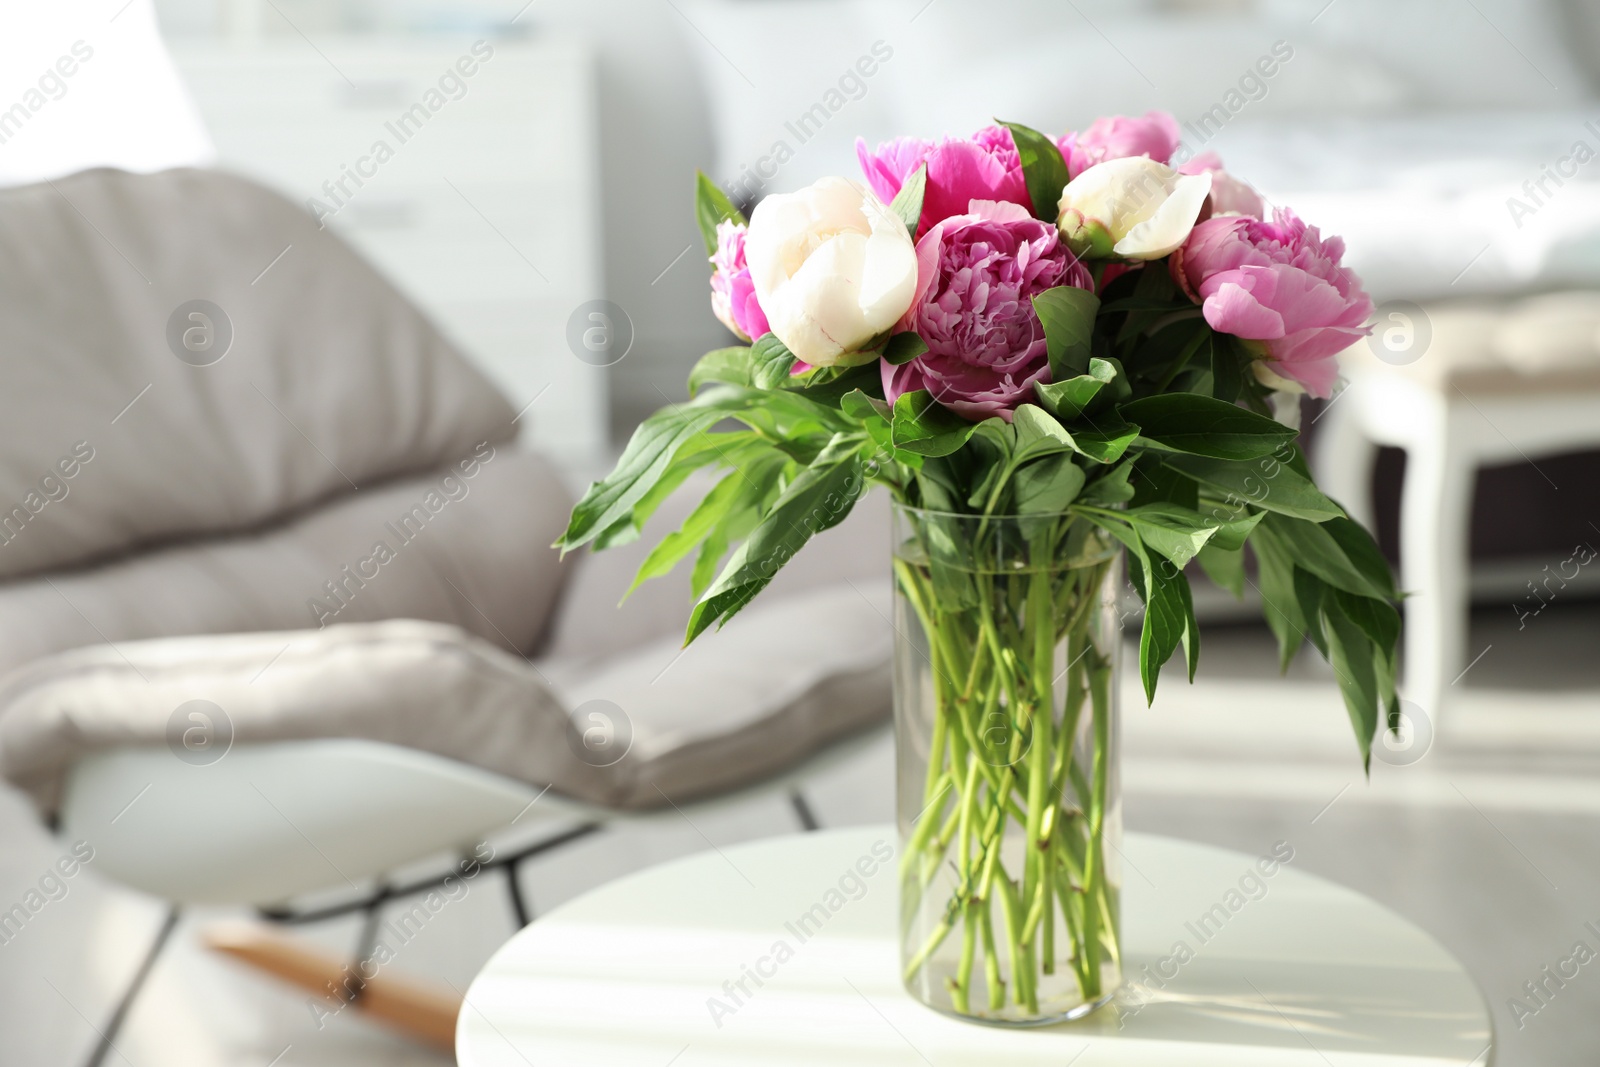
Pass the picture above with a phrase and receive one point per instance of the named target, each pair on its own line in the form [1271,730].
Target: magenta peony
[1118,137]
[976,275]
[733,294]
[985,166]
[1281,284]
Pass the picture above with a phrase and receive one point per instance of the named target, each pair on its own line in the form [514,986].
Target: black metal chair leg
[371,915]
[802,810]
[519,905]
[114,1024]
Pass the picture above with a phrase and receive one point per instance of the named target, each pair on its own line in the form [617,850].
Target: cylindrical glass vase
[1006,738]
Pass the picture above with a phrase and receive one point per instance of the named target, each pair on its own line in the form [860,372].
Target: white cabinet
[465,171]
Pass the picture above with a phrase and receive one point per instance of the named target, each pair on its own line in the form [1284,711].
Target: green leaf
[1223,566]
[1168,607]
[1311,546]
[738,487]
[1042,168]
[1047,486]
[1067,316]
[924,426]
[1378,619]
[1068,400]
[1267,483]
[770,362]
[903,348]
[1363,553]
[1154,483]
[730,365]
[1232,535]
[1204,426]
[1153,287]
[1355,662]
[1037,434]
[819,497]
[858,405]
[1280,604]
[1175,532]
[1106,439]
[646,459]
[1227,368]
[1165,304]
[874,416]
[831,389]
[1309,592]
[1112,487]
[733,527]
[1168,622]
[711,207]
[907,204]
[1162,354]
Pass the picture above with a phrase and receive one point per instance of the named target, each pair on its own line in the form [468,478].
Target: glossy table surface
[1282,969]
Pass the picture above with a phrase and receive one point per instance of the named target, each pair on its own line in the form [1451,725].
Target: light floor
[1491,842]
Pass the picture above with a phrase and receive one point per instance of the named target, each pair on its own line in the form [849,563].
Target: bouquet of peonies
[1056,355]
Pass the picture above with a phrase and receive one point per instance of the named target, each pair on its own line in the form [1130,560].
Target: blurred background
[1452,143]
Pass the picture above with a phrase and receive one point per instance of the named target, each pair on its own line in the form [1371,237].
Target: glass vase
[1008,794]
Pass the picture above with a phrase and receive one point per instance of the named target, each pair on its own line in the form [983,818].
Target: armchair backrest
[186,353]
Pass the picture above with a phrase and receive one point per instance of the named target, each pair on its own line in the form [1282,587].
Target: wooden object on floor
[418,1010]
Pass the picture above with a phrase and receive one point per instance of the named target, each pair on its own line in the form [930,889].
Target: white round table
[1283,970]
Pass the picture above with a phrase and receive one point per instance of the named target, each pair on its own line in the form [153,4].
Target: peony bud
[1133,208]
[833,269]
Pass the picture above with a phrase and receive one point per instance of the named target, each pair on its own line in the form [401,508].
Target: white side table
[1463,386]
[1292,971]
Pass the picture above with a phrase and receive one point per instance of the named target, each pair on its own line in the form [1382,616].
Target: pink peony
[976,275]
[1229,195]
[733,294]
[1155,135]
[1278,283]
[985,166]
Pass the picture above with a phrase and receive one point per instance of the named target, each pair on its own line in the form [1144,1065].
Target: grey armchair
[273,571]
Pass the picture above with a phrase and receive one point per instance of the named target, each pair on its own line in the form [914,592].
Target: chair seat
[461,550]
[782,680]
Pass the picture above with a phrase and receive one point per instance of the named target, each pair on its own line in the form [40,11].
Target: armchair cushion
[781,680]
[466,543]
[131,421]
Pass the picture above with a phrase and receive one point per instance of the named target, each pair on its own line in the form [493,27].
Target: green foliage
[903,348]
[1205,426]
[1067,315]
[819,498]
[711,207]
[1150,427]
[1069,399]
[770,362]
[907,205]
[730,366]
[1042,168]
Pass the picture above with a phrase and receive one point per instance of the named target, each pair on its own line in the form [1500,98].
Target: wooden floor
[1491,842]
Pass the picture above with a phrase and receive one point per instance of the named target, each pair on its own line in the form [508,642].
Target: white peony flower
[1134,208]
[833,268]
